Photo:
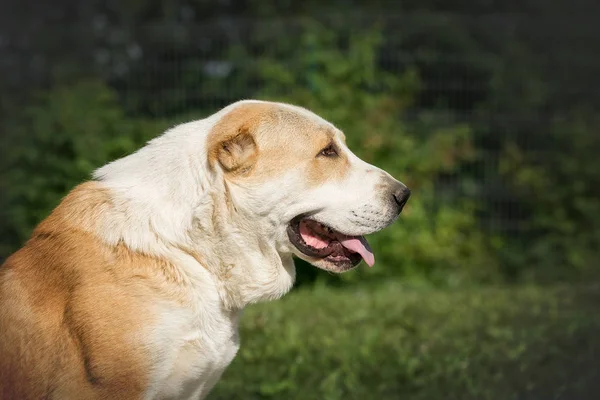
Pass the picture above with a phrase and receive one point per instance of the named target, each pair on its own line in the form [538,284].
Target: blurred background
[487,287]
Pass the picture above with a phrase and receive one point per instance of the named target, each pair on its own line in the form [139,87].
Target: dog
[133,287]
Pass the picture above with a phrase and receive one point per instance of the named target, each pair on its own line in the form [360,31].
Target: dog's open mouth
[317,240]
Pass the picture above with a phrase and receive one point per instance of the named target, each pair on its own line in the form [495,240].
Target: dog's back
[63,320]
[30,326]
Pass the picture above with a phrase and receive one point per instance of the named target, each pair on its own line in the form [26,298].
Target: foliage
[392,342]
[546,178]
[560,195]
[499,191]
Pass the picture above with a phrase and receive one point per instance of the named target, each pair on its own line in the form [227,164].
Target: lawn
[390,342]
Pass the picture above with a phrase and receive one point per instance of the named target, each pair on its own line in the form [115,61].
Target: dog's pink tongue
[361,246]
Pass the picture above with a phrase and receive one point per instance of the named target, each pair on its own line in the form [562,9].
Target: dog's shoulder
[80,312]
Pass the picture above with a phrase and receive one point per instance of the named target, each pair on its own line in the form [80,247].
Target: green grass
[390,342]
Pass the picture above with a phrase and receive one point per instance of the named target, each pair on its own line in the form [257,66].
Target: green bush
[539,180]
[557,185]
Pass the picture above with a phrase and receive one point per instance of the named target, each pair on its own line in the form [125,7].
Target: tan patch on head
[324,168]
[74,308]
[259,141]
[238,154]
[231,143]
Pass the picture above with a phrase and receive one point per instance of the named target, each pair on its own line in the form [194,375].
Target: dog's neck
[189,216]
[247,267]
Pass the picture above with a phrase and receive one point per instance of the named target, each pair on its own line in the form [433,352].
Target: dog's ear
[238,153]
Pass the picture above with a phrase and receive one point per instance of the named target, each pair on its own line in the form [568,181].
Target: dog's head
[289,175]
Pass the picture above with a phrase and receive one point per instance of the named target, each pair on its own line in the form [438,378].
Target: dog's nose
[401,195]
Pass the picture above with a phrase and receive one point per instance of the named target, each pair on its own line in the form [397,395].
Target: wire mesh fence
[509,78]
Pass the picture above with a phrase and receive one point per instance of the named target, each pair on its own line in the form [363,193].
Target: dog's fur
[133,287]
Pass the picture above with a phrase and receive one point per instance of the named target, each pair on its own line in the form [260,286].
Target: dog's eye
[329,151]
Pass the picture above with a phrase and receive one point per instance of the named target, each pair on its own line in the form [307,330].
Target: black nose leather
[401,195]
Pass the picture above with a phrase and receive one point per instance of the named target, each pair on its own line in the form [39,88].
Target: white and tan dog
[133,287]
